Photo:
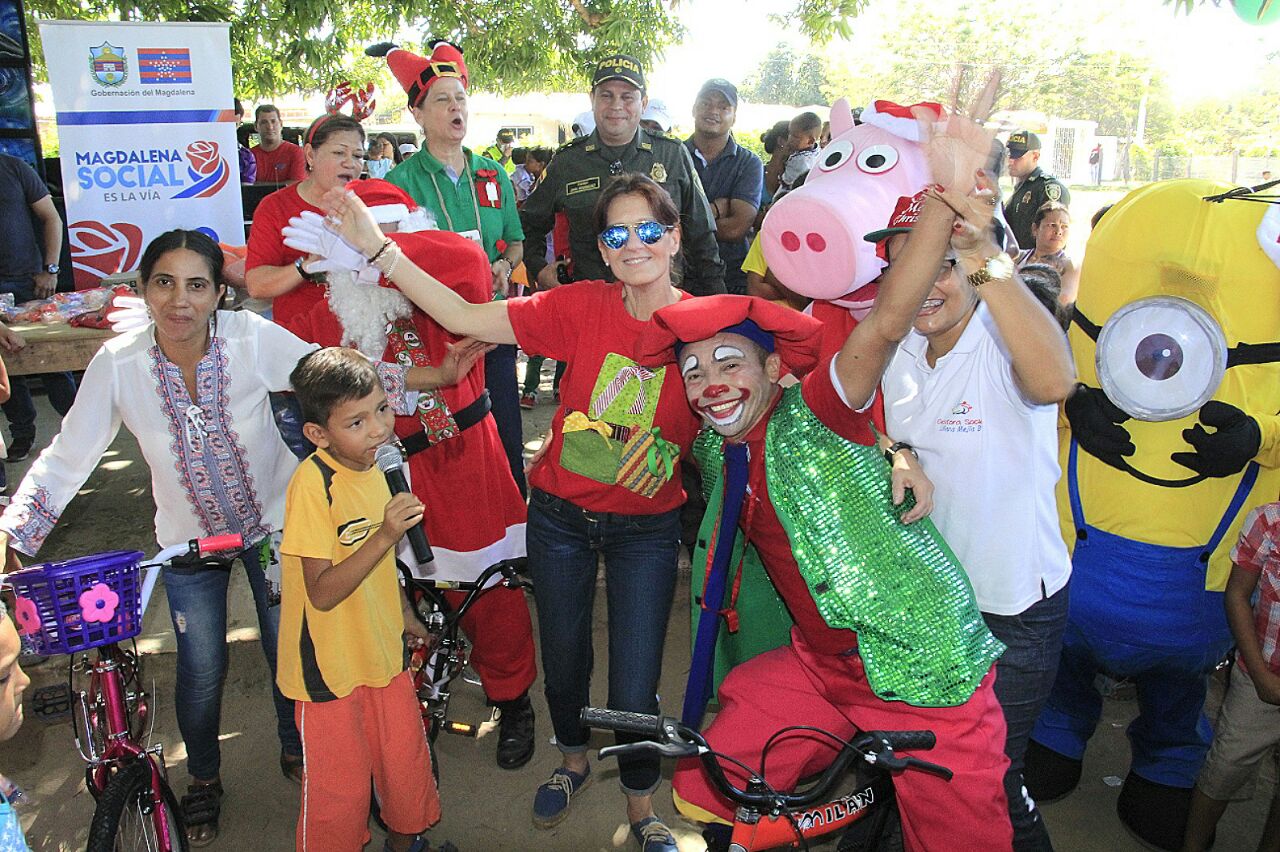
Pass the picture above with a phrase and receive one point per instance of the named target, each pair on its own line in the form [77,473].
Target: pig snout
[811,250]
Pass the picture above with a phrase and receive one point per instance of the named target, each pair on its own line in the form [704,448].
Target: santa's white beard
[365,311]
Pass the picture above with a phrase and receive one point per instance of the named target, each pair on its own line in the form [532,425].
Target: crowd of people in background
[633,260]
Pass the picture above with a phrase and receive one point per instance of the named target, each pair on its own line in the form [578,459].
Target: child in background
[1248,727]
[802,142]
[343,614]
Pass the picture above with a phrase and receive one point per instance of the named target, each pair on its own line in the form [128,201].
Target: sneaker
[19,449]
[653,835]
[515,733]
[529,400]
[551,802]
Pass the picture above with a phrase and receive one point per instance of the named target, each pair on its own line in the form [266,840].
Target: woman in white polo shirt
[973,389]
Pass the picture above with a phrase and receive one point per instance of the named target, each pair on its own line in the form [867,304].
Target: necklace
[469,177]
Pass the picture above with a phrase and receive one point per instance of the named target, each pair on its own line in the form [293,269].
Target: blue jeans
[1024,677]
[640,577]
[20,409]
[504,397]
[198,607]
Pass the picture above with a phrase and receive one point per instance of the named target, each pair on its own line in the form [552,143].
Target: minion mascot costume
[1175,434]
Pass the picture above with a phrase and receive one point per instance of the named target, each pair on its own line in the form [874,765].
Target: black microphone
[389,459]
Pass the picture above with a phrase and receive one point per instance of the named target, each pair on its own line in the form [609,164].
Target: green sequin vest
[920,634]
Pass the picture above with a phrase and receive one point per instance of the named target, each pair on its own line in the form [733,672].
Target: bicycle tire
[120,807]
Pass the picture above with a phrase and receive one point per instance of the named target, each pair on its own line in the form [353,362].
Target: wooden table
[54,348]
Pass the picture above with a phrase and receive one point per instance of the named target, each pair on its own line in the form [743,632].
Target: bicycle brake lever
[925,766]
[663,749]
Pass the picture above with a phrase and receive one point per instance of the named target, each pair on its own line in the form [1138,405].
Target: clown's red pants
[794,685]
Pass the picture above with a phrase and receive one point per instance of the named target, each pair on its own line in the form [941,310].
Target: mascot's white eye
[877,159]
[834,155]
[1161,358]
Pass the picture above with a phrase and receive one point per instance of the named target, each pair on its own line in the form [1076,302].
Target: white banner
[147,137]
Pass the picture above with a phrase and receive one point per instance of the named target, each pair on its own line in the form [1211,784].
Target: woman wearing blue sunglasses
[609,482]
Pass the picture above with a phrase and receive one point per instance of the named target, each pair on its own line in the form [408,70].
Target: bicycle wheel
[124,819]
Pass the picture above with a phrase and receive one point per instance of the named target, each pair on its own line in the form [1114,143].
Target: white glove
[130,313]
[310,233]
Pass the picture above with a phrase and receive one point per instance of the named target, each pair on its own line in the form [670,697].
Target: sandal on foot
[291,765]
[200,810]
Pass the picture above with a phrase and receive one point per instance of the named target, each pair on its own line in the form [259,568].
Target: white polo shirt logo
[961,419]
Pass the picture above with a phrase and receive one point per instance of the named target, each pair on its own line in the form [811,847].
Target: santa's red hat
[416,73]
[897,119]
[386,201]
[791,334]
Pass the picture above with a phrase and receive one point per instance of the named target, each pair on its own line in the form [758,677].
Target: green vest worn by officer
[1032,192]
[921,636]
[582,168]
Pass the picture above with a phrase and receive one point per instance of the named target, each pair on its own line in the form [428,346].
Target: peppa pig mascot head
[813,237]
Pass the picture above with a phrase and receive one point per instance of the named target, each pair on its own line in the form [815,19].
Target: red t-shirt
[760,521]
[284,164]
[837,322]
[604,390]
[267,248]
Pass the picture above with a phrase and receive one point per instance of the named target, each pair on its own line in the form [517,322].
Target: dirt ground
[485,808]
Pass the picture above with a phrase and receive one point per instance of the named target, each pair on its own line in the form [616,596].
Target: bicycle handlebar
[670,738]
[621,720]
[192,550]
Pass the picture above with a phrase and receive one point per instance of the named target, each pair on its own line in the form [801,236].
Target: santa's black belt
[466,418]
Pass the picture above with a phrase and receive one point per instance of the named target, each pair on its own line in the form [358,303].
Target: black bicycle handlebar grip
[621,720]
[910,740]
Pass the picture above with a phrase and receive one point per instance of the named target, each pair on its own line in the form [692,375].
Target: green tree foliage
[927,54]
[1249,124]
[786,76]
[280,46]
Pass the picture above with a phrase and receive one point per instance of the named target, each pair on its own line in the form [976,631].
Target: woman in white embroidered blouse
[192,387]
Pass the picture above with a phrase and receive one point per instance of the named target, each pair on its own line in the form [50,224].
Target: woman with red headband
[468,194]
[334,149]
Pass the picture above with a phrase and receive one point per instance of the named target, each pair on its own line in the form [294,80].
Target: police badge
[658,173]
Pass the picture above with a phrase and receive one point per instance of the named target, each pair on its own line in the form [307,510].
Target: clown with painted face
[797,472]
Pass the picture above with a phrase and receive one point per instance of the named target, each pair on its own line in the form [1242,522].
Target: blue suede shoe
[551,802]
[653,835]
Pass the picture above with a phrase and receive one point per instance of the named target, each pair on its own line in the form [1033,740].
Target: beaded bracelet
[381,249]
[388,258]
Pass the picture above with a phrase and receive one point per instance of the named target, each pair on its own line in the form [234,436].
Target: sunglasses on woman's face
[616,236]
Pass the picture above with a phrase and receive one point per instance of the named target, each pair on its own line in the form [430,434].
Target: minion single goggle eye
[1161,358]
[616,236]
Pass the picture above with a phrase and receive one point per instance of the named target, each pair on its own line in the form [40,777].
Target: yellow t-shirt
[330,510]
[754,261]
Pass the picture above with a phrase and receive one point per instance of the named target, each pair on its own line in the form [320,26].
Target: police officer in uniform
[1033,186]
[581,168]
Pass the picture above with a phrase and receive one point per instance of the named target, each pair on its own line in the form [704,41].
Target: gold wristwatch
[997,267]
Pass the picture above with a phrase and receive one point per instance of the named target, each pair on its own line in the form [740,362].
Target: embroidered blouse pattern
[211,464]
[35,521]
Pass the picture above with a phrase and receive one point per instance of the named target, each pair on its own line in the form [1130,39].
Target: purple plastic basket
[65,607]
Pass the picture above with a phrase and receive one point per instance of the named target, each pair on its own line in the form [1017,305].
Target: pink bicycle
[97,602]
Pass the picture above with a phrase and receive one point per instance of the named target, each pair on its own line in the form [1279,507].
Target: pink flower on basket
[26,615]
[99,603]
